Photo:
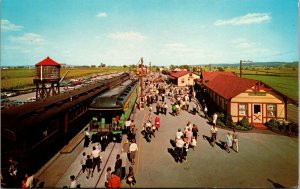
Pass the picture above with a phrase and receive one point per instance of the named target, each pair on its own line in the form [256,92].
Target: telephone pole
[241,63]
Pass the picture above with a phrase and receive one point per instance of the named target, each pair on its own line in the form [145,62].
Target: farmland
[282,79]
[285,80]
[21,78]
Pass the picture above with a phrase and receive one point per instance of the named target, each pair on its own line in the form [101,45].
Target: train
[33,133]
[111,109]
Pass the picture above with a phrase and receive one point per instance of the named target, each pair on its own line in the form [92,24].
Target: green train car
[111,109]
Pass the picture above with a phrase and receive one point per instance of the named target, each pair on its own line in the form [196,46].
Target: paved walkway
[265,159]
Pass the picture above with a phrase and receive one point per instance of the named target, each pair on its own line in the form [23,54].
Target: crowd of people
[14,178]
[186,138]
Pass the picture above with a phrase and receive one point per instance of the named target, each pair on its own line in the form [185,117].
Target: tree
[172,67]
[102,65]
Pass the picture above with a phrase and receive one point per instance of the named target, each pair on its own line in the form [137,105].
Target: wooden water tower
[47,78]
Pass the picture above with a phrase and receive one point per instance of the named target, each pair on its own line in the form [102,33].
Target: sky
[163,32]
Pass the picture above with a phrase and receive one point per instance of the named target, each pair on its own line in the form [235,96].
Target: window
[243,109]
[182,80]
[271,110]
[257,109]
[191,75]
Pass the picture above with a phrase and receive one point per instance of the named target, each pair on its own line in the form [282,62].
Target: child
[194,143]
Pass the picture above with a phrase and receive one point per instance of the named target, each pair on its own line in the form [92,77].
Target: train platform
[265,159]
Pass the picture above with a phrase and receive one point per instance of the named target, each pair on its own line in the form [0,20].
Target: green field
[22,78]
[284,80]
[285,85]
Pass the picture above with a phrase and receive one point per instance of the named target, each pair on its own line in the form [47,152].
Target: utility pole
[241,63]
[150,66]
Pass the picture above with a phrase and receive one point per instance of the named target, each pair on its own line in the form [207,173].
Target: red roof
[47,62]
[207,76]
[230,86]
[179,74]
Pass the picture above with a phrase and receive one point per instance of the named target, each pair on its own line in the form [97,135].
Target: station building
[183,78]
[241,97]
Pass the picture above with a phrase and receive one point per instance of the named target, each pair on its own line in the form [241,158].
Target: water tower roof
[47,62]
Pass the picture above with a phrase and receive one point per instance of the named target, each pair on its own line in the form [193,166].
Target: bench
[72,144]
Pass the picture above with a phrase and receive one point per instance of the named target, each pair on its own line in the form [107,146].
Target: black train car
[32,133]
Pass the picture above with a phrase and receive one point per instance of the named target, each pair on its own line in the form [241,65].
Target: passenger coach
[111,109]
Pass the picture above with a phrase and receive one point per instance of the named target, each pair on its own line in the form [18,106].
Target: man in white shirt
[127,125]
[96,159]
[73,183]
[215,117]
[179,149]
[133,148]
[179,134]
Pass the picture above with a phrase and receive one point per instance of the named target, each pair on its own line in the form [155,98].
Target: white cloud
[8,26]
[179,47]
[31,38]
[251,18]
[127,36]
[176,47]
[248,46]
[242,43]
[102,14]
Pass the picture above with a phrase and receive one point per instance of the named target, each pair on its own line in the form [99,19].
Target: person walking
[229,140]
[127,125]
[173,109]
[133,132]
[185,148]
[179,134]
[133,148]
[123,156]
[193,143]
[189,135]
[118,165]
[179,149]
[157,108]
[213,132]
[157,123]
[73,183]
[215,117]
[187,105]
[83,162]
[107,176]
[235,140]
[205,111]
[115,181]
[130,179]
[89,166]
[195,131]
[86,138]
[165,108]
[96,159]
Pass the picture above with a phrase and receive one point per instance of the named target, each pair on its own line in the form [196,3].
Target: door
[257,113]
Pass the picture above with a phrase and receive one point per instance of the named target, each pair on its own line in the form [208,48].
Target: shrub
[272,124]
[228,120]
[224,119]
[220,120]
[245,123]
